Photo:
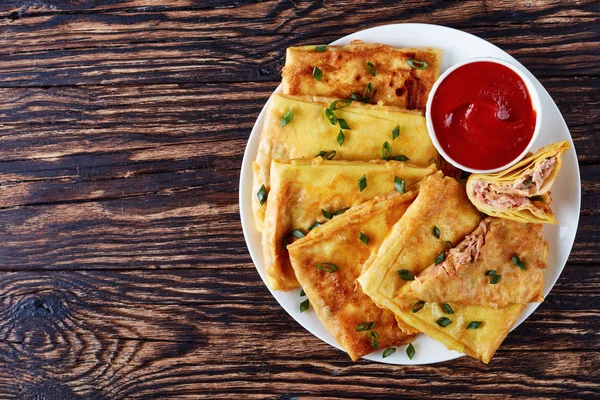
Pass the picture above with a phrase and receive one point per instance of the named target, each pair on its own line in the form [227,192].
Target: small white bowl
[535,102]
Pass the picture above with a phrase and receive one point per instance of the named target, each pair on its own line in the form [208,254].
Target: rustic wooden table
[124,271]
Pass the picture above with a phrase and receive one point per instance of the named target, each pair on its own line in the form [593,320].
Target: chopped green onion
[364,238]
[313,226]
[374,337]
[386,151]
[365,326]
[304,305]
[389,351]
[410,351]
[406,275]
[448,244]
[447,308]
[371,68]
[490,272]
[440,258]
[341,137]
[343,123]
[302,294]
[356,97]
[400,158]
[321,153]
[327,214]
[443,322]
[331,116]
[416,64]
[336,104]
[367,93]
[362,183]
[399,185]
[341,211]
[327,267]
[418,305]
[320,49]
[537,198]
[262,195]
[297,233]
[328,155]
[288,117]
[436,232]
[474,325]
[396,132]
[518,262]
[495,279]
[317,73]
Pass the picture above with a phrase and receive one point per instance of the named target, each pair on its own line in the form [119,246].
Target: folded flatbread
[521,192]
[336,298]
[411,245]
[305,191]
[513,251]
[399,77]
[310,132]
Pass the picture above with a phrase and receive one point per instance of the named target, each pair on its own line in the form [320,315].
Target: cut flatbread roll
[499,264]
[398,77]
[521,192]
[412,246]
[307,191]
[346,242]
[310,133]
[477,331]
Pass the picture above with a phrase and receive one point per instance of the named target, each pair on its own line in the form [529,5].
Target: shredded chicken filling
[470,248]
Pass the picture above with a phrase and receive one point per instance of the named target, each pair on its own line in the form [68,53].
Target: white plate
[457,46]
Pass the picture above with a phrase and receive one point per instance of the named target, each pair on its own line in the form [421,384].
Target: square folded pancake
[338,301]
[310,132]
[411,244]
[464,277]
[345,71]
[301,189]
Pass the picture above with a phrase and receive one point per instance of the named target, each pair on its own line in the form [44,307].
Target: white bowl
[535,102]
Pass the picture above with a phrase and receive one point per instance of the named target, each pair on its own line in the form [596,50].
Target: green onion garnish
[374,339]
[371,68]
[495,279]
[364,238]
[399,184]
[302,294]
[339,104]
[400,158]
[331,116]
[443,322]
[416,64]
[447,308]
[297,233]
[341,211]
[304,305]
[418,305]
[262,195]
[436,232]
[368,93]
[327,214]
[490,272]
[362,183]
[320,49]
[327,267]
[328,155]
[365,326]
[317,73]
[474,325]
[389,351]
[343,123]
[341,137]
[518,262]
[440,258]
[288,117]
[386,151]
[313,226]
[396,132]
[410,351]
[321,153]
[406,275]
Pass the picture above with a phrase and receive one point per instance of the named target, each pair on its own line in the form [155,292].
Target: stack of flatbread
[353,210]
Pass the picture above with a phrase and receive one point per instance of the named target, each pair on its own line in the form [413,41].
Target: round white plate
[457,46]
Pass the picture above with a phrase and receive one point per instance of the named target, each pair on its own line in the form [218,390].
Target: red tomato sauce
[482,115]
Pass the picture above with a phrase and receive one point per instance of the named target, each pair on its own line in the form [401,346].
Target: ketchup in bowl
[482,115]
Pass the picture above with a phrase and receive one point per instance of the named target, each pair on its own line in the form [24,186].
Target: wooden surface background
[123,268]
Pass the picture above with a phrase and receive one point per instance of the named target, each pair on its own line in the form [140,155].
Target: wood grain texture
[124,272]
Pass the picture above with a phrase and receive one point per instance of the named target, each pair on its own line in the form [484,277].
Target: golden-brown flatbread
[344,71]
[521,192]
[412,245]
[336,298]
[499,264]
[310,132]
[302,189]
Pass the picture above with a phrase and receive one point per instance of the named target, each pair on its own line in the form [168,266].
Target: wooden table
[124,271]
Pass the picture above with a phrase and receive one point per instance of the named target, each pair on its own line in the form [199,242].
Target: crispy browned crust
[344,72]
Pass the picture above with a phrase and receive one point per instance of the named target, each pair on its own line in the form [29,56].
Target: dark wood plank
[248,43]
